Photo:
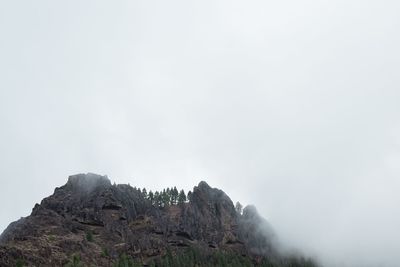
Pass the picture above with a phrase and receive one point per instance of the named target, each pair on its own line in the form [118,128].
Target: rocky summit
[91,222]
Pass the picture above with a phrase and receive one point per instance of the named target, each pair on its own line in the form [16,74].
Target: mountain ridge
[100,221]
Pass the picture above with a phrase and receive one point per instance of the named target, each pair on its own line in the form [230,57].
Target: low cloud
[290,106]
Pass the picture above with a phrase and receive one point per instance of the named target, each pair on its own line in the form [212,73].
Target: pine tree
[174,194]
[181,197]
[189,196]
[157,201]
[169,193]
[144,193]
[160,200]
[150,197]
[166,199]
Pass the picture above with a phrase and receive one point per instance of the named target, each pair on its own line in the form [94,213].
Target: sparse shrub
[126,261]
[105,253]
[52,238]
[20,263]
[89,236]
[75,261]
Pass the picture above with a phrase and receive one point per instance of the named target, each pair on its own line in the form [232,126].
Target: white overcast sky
[293,106]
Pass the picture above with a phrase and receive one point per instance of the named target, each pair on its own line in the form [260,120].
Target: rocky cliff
[100,221]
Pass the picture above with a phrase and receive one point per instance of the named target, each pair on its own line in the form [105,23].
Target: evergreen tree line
[166,197]
[192,257]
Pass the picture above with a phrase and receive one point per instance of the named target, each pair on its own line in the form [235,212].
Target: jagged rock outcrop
[120,219]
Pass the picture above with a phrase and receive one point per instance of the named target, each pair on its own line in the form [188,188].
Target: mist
[292,106]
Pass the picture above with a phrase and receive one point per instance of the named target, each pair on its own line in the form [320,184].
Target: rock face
[89,215]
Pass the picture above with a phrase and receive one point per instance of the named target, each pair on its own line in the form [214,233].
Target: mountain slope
[89,221]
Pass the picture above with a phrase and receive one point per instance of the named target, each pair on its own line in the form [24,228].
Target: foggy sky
[292,106]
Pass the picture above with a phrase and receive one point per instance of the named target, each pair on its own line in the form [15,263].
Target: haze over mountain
[290,105]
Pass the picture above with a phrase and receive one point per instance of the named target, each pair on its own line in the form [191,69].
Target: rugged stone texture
[121,220]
